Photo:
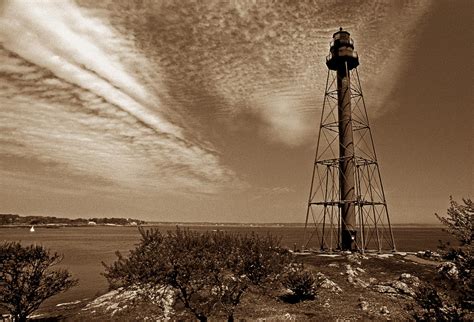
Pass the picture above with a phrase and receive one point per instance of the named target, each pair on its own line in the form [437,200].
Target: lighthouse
[346,204]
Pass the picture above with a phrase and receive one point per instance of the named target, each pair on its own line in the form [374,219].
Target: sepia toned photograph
[250,160]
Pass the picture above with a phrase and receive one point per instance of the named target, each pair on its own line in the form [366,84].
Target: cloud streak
[69,96]
[55,36]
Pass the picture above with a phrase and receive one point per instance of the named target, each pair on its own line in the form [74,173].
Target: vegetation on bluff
[454,300]
[209,272]
[459,221]
[26,278]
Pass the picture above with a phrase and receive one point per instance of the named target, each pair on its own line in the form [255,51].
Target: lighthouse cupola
[342,51]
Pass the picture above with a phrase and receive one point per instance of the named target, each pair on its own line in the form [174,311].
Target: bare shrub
[434,306]
[454,299]
[26,278]
[209,272]
[459,220]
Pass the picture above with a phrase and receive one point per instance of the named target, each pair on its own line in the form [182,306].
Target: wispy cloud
[127,93]
[56,36]
[226,58]
[69,96]
[271,193]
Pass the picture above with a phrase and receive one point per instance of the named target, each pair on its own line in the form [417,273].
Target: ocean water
[85,248]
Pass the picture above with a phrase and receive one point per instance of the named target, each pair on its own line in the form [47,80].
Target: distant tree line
[14,219]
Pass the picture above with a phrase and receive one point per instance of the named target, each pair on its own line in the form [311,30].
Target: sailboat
[32,229]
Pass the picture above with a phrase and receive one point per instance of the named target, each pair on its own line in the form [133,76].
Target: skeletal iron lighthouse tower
[346,205]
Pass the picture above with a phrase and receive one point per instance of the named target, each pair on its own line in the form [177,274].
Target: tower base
[348,240]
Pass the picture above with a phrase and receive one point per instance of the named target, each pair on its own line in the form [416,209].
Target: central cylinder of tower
[343,58]
[346,160]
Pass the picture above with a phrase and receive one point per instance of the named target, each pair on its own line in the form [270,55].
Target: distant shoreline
[15,220]
[198,224]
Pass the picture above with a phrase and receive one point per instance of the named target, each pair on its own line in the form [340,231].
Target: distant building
[92,223]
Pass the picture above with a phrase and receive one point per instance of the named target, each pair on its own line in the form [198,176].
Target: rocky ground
[351,287]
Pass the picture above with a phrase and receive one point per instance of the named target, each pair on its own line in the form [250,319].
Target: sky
[209,110]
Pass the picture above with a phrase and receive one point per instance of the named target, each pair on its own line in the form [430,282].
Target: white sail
[32,229]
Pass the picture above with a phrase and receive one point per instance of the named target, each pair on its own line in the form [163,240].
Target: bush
[435,307]
[459,279]
[454,300]
[460,220]
[209,272]
[300,282]
[26,279]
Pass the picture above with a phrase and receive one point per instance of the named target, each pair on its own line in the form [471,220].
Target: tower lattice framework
[347,209]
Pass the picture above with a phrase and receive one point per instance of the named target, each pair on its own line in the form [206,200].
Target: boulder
[449,270]
[364,305]
[409,279]
[326,283]
[384,310]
